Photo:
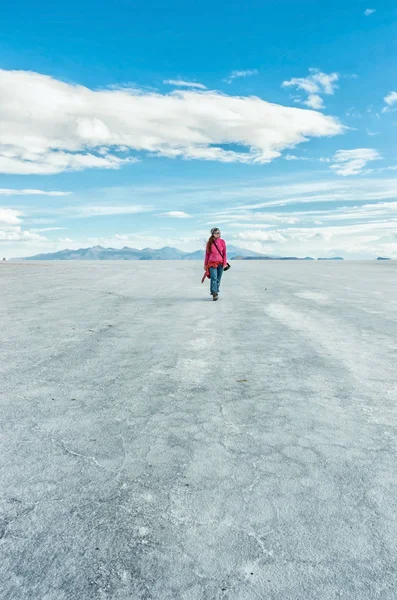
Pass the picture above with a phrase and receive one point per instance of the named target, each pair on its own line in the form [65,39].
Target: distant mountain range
[126,253]
[166,253]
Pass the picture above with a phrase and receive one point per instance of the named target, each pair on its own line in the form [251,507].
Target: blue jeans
[216,276]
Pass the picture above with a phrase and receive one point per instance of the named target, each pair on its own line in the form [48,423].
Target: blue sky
[147,123]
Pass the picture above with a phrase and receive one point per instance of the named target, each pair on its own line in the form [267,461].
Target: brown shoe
[215,296]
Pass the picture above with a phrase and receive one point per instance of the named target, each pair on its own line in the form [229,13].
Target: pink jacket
[215,256]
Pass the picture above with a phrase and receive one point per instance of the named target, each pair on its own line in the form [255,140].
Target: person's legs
[214,280]
[219,276]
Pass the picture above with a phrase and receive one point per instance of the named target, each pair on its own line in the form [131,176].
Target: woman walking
[215,261]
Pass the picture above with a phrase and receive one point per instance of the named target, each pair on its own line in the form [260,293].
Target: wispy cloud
[351,240]
[369,11]
[176,214]
[375,212]
[253,193]
[102,211]
[84,211]
[13,192]
[97,129]
[367,230]
[353,162]
[294,194]
[353,231]
[22,161]
[147,239]
[316,84]
[261,236]
[41,229]
[390,100]
[182,83]
[293,157]
[304,225]
[236,74]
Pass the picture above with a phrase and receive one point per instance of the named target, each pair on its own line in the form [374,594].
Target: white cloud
[369,11]
[147,239]
[51,161]
[12,248]
[365,240]
[99,211]
[11,230]
[270,220]
[368,212]
[13,192]
[261,236]
[291,193]
[390,100]
[326,82]
[352,162]
[353,113]
[351,231]
[369,231]
[246,225]
[237,74]
[314,101]
[16,234]
[9,216]
[38,229]
[276,204]
[177,214]
[187,84]
[294,157]
[315,84]
[49,126]
[383,211]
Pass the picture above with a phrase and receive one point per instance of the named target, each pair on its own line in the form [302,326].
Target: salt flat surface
[158,445]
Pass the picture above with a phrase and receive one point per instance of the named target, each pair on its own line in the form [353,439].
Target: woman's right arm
[206,258]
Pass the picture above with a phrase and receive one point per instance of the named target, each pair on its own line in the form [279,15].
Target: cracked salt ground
[157,447]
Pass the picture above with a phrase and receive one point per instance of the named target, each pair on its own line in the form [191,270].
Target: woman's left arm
[224,254]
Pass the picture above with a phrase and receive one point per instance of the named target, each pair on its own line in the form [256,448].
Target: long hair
[209,244]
